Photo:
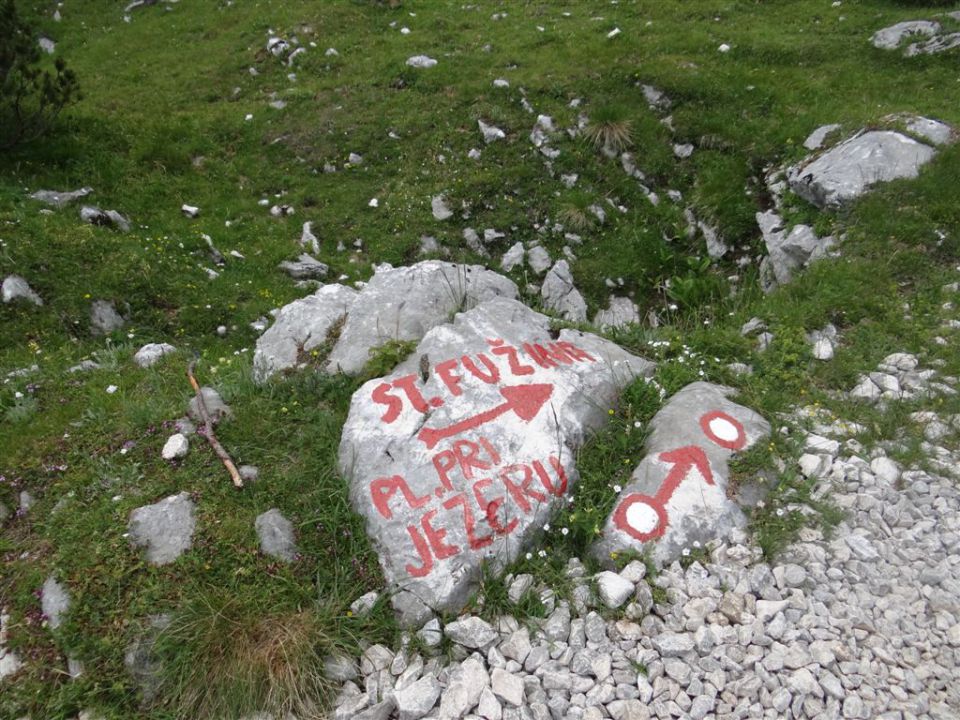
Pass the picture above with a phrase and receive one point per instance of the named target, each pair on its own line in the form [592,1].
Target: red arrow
[683,460]
[524,400]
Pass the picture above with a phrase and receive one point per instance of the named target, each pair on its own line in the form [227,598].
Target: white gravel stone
[418,699]
[613,589]
[507,687]
[471,632]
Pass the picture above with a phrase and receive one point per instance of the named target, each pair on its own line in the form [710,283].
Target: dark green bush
[30,97]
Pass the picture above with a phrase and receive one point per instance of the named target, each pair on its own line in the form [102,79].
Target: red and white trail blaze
[645,518]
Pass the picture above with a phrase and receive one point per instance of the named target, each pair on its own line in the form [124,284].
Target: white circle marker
[642,517]
[724,429]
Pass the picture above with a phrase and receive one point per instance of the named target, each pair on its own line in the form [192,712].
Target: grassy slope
[159,92]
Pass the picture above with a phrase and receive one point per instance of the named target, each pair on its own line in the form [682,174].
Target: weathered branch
[208,428]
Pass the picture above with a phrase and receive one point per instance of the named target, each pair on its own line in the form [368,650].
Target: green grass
[162,123]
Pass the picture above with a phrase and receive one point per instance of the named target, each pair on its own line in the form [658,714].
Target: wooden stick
[208,428]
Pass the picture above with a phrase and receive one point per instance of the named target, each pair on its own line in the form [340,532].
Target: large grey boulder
[165,528]
[404,303]
[300,327]
[560,294]
[931,39]
[461,454]
[15,288]
[54,602]
[847,170]
[890,38]
[104,318]
[678,494]
[60,199]
[276,535]
[788,251]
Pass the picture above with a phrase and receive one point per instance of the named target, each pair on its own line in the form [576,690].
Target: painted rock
[678,495]
[461,454]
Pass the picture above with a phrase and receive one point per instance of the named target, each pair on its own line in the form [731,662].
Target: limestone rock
[176,447]
[104,218]
[507,686]
[308,239]
[501,398]
[10,662]
[60,199]
[217,409]
[539,259]
[438,205]
[464,688]
[677,496]
[561,296]
[404,303]
[305,267]
[416,700]
[513,257]
[165,528]
[890,38]
[788,251]
[104,318]
[622,311]
[15,288]
[613,589]
[847,170]
[300,327]
[471,632]
[276,535]
[421,62]
[933,131]
[816,139]
[54,602]
[490,133]
[150,354]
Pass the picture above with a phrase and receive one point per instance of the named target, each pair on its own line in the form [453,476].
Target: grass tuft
[610,130]
[228,658]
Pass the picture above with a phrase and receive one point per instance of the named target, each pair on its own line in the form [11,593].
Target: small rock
[418,699]
[305,267]
[276,535]
[421,62]
[104,319]
[15,288]
[613,589]
[54,602]
[440,209]
[150,354]
[508,687]
[165,528]
[364,604]
[471,632]
[671,645]
[175,448]
[490,133]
